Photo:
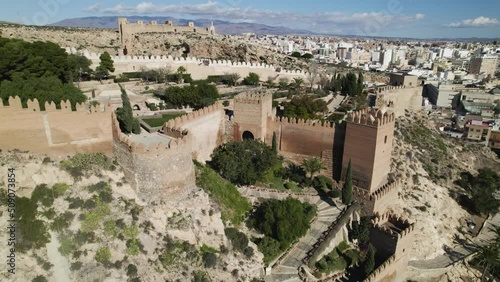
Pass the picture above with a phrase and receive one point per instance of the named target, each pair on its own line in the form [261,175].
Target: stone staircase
[287,268]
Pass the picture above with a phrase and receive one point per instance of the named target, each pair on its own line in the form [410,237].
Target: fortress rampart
[198,68]
[128,31]
[206,128]
[392,236]
[157,170]
[55,132]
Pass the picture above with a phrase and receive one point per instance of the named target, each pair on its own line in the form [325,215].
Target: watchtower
[368,145]
[250,115]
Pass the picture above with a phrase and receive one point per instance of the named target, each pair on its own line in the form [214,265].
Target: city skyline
[388,18]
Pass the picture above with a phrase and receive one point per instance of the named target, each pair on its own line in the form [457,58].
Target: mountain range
[226,27]
[221,27]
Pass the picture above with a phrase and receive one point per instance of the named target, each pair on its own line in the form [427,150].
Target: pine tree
[275,144]
[370,260]
[347,190]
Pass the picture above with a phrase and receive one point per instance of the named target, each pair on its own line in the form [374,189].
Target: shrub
[93,219]
[335,193]
[76,266]
[59,189]
[39,278]
[209,260]
[248,252]
[238,239]
[81,163]
[102,254]
[131,270]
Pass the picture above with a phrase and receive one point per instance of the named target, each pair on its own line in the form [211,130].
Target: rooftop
[149,139]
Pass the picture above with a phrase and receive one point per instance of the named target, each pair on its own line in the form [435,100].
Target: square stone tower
[250,115]
[368,145]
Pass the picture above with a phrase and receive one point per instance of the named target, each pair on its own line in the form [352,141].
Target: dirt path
[61,268]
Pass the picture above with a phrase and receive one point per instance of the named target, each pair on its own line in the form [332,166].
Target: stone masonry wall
[301,137]
[206,128]
[157,172]
[55,132]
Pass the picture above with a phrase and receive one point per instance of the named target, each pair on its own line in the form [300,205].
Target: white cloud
[477,22]
[93,8]
[368,23]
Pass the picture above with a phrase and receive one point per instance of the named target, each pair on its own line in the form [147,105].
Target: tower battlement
[393,224]
[372,117]
[301,122]
[257,97]
[174,139]
[178,122]
[385,189]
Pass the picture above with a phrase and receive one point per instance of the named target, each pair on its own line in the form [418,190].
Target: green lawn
[156,122]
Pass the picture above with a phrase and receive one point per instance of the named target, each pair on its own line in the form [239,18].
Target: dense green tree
[125,116]
[312,166]
[283,83]
[304,107]
[296,54]
[24,60]
[79,68]
[252,79]
[307,56]
[283,220]
[45,89]
[347,189]
[195,96]
[243,162]
[106,66]
[482,189]
[369,264]
[32,232]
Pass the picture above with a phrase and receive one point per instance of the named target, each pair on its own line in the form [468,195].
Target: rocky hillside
[90,226]
[429,163]
[176,45]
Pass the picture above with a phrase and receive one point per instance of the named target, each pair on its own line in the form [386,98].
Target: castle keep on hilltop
[128,31]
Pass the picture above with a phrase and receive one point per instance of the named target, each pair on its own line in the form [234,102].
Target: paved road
[459,253]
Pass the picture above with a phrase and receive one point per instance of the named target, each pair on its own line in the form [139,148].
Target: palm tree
[298,82]
[488,258]
[313,166]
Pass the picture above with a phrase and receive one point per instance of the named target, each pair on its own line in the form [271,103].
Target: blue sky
[399,18]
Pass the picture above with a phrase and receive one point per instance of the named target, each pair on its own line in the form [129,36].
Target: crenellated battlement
[385,189]
[153,148]
[178,122]
[380,269]
[301,122]
[256,97]
[372,117]
[393,224]
[33,105]
[192,62]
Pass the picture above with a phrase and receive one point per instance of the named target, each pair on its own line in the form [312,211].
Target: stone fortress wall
[56,132]
[198,68]
[392,238]
[160,170]
[206,128]
[127,30]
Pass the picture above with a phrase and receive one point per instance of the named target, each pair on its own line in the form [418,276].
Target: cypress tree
[360,83]
[275,144]
[370,260]
[347,189]
[128,124]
